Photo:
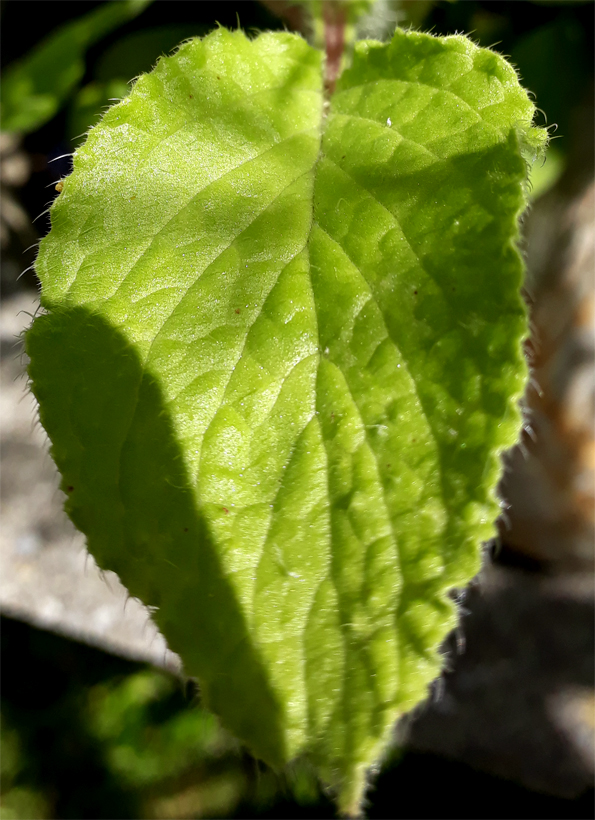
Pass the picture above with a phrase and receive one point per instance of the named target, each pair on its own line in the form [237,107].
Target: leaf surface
[281,357]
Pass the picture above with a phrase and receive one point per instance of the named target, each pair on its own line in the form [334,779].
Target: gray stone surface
[519,699]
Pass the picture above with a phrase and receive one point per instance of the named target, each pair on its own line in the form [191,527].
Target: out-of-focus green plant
[17,800]
[34,89]
[179,761]
[144,742]
[168,755]
[149,745]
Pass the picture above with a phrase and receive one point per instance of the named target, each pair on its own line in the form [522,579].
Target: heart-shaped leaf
[280,359]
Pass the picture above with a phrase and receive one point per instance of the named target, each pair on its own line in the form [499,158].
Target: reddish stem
[334,39]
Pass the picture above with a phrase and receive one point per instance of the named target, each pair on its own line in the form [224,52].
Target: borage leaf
[281,356]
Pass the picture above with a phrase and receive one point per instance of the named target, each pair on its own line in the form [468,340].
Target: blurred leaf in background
[17,800]
[33,89]
[154,743]
[554,63]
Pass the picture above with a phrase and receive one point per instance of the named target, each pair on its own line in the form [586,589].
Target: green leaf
[280,359]
[34,88]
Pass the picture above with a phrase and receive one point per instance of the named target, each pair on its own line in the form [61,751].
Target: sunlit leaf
[281,357]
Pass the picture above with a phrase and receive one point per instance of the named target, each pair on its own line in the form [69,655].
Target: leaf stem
[334,17]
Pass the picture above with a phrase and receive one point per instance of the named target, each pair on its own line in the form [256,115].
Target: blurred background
[96,720]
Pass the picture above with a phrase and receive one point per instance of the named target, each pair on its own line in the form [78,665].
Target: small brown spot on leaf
[237,310]
[191,96]
[70,489]
[225,510]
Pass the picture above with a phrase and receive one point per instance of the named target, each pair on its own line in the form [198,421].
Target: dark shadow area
[429,786]
[529,643]
[44,682]
[124,475]
[47,680]
[504,555]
